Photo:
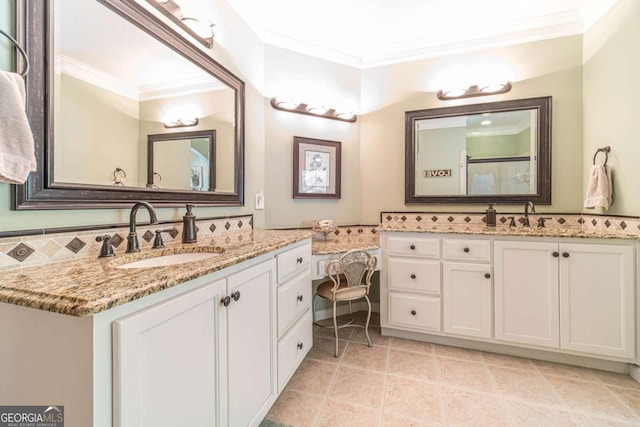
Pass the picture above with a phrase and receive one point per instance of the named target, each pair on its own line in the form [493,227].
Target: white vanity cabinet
[574,296]
[181,361]
[413,279]
[597,297]
[526,293]
[467,287]
[571,296]
[157,365]
[295,324]
[204,352]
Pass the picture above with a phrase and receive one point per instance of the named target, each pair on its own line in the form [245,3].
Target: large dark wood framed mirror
[492,152]
[106,74]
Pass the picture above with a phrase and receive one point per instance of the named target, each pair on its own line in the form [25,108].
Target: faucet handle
[106,250]
[541,221]
[512,222]
[158,243]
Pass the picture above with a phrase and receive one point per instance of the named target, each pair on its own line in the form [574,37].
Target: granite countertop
[91,285]
[506,231]
[340,244]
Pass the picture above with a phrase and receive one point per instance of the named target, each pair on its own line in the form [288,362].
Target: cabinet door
[597,299]
[165,362]
[526,293]
[466,299]
[251,344]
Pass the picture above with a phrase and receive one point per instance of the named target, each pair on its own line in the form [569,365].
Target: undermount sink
[165,260]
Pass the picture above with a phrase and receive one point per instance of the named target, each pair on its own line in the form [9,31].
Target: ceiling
[366,33]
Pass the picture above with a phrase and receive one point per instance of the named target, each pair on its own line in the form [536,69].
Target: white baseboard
[634,371]
[327,313]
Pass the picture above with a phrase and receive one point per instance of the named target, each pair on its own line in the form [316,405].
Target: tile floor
[399,383]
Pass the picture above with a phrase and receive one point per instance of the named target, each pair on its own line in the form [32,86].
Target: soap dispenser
[189,233]
[491,216]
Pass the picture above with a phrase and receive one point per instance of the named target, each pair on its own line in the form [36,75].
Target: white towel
[17,156]
[599,188]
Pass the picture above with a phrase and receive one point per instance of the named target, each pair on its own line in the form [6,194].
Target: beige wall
[309,80]
[611,94]
[545,68]
[96,131]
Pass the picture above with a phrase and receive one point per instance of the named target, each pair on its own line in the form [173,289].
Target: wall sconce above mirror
[200,30]
[497,152]
[313,110]
[474,90]
[181,123]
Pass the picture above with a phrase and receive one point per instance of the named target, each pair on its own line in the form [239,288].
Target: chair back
[354,268]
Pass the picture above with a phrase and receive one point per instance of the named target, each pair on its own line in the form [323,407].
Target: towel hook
[22,52]
[606,151]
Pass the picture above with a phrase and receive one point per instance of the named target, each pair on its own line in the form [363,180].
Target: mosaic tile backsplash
[27,251]
[589,223]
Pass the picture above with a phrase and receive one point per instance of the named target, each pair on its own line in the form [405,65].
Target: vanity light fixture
[181,123]
[310,110]
[200,30]
[318,111]
[474,90]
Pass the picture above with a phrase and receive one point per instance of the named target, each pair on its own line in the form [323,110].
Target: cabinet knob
[299,260]
[225,301]
[466,250]
[556,254]
[565,254]
[235,295]
[300,346]
[300,298]
[413,312]
[412,247]
[487,275]
[413,276]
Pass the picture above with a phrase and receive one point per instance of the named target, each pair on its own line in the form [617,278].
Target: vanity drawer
[415,311]
[293,347]
[293,298]
[466,250]
[414,246]
[414,275]
[291,261]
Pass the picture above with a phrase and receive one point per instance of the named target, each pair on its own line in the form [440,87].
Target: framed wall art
[316,168]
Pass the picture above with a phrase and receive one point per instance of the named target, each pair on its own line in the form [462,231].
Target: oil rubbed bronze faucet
[529,204]
[132,238]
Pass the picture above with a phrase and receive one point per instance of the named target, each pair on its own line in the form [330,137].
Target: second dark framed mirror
[496,152]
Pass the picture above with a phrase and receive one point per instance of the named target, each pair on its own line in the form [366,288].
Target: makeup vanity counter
[335,246]
[160,346]
[562,294]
